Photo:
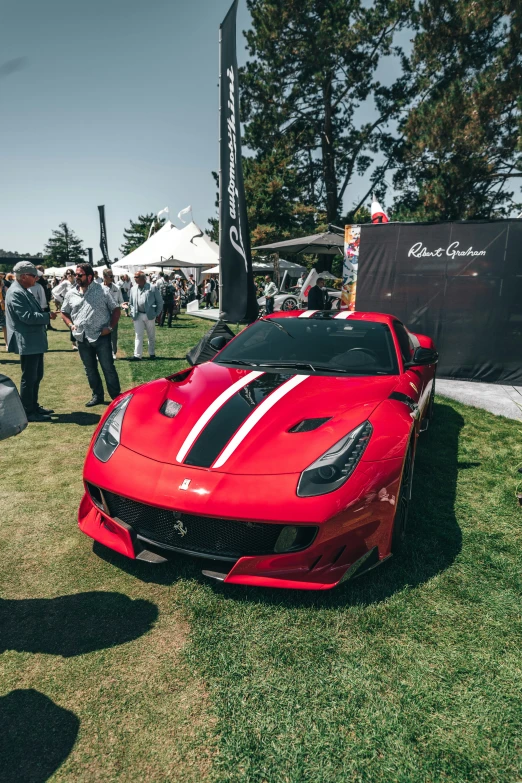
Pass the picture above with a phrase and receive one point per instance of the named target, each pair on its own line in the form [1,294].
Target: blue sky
[115,103]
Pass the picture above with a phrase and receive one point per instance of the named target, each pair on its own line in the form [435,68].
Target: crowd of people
[91,307]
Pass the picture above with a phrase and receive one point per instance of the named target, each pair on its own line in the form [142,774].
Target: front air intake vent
[180,376]
[308,425]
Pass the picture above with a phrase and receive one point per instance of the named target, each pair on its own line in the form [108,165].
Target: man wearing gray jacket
[145,304]
[26,324]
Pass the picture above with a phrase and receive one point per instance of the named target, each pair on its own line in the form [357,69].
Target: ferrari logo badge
[178,527]
[185,484]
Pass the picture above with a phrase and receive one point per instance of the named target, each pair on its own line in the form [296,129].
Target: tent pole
[220,281]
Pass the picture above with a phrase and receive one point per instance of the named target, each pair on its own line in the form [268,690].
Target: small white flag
[184,212]
[162,212]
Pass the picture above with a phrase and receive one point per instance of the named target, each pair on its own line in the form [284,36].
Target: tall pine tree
[461,155]
[312,67]
[138,232]
[64,248]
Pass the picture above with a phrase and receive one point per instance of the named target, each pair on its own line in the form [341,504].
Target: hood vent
[307,425]
[180,376]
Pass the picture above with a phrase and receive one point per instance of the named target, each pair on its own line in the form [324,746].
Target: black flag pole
[238,294]
[103,237]
[220,281]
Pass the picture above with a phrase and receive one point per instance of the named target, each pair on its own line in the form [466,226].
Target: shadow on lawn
[433,540]
[82,418]
[73,624]
[37,736]
[157,359]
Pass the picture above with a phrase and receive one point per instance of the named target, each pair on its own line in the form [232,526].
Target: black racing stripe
[213,439]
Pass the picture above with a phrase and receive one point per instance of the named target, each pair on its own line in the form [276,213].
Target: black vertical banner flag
[238,293]
[103,237]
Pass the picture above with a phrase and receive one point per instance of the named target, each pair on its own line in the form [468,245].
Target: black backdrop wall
[460,283]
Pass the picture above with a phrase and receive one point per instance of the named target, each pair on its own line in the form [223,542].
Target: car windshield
[315,345]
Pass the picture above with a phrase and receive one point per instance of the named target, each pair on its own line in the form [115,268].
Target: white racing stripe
[212,409]
[307,313]
[345,314]
[256,415]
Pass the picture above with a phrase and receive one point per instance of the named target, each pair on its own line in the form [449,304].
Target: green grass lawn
[112,670]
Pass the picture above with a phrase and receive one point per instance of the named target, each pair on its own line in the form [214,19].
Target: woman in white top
[59,291]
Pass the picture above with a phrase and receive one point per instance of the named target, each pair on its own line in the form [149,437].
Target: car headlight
[335,466]
[108,438]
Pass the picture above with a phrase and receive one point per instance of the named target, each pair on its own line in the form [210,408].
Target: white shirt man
[269,293]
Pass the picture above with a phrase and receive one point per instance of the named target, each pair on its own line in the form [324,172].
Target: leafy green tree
[138,232]
[276,210]
[312,66]
[64,247]
[461,154]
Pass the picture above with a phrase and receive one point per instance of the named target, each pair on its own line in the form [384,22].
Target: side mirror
[218,342]
[422,356]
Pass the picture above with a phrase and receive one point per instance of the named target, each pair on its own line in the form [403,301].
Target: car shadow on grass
[433,539]
[37,736]
[73,625]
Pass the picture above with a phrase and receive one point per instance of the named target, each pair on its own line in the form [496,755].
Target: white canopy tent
[58,271]
[190,247]
[149,252]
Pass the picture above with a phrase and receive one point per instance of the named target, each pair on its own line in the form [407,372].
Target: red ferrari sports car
[287,459]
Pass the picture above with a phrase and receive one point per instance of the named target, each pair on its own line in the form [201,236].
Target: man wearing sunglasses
[26,324]
[90,312]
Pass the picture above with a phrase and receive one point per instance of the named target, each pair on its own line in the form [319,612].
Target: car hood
[238,421]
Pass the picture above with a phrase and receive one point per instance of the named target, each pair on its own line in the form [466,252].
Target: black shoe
[95,401]
[134,358]
[38,417]
[44,411]
[153,356]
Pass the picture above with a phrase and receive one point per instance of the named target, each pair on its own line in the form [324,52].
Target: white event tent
[148,253]
[171,247]
[191,247]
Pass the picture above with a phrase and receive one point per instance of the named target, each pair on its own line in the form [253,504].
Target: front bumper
[350,524]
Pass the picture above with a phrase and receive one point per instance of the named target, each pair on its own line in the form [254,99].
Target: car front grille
[222,538]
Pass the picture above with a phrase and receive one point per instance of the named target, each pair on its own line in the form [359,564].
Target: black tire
[400,521]
[289,304]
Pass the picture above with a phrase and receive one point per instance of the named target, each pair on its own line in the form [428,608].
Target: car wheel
[403,503]
[289,304]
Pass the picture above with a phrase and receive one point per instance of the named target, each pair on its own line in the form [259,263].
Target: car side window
[405,344]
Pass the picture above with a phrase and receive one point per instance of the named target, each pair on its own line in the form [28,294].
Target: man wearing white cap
[26,335]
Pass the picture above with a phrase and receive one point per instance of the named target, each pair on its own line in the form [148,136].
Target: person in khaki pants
[145,305]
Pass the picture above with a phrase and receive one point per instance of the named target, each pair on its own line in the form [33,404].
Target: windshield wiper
[236,361]
[278,326]
[304,365]
[292,365]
